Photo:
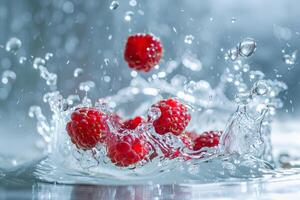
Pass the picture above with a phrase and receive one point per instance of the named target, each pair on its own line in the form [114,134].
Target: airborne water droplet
[189,39]
[22,60]
[114,5]
[13,45]
[86,86]
[37,62]
[133,3]
[8,76]
[48,56]
[77,72]
[247,47]
[128,16]
[290,59]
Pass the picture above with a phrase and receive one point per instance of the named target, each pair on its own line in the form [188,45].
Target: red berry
[125,150]
[142,51]
[87,127]
[132,123]
[206,139]
[174,117]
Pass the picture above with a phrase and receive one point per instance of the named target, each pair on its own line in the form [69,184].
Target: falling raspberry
[143,51]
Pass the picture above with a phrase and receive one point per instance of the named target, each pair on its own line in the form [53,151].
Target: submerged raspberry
[174,117]
[87,127]
[125,150]
[142,51]
[196,142]
[132,123]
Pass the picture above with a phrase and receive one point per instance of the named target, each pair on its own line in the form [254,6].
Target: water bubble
[133,74]
[246,68]
[232,54]
[128,16]
[48,56]
[133,3]
[260,87]
[191,62]
[22,60]
[290,59]
[106,61]
[230,78]
[13,45]
[189,39]
[107,79]
[233,20]
[37,62]
[247,47]
[154,113]
[8,76]
[86,86]
[78,72]
[114,5]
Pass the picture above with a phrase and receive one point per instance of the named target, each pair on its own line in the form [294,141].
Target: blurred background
[90,35]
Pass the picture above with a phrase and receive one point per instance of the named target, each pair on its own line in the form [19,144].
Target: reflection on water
[249,190]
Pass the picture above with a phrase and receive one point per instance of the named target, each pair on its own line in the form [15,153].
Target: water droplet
[230,78]
[128,16]
[233,20]
[189,39]
[133,74]
[22,60]
[48,56]
[13,45]
[37,62]
[107,79]
[260,87]
[8,76]
[232,54]
[246,68]
[290,59]
[106,61]
[154,113]
[191,62]
[114,5]
[86,86]
[133,3]
[77,72]
[247,47]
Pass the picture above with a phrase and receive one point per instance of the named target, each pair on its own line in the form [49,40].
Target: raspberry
[125,150]
[142,51]
[174,117]
[196,142]
[87,127]
[131,124]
